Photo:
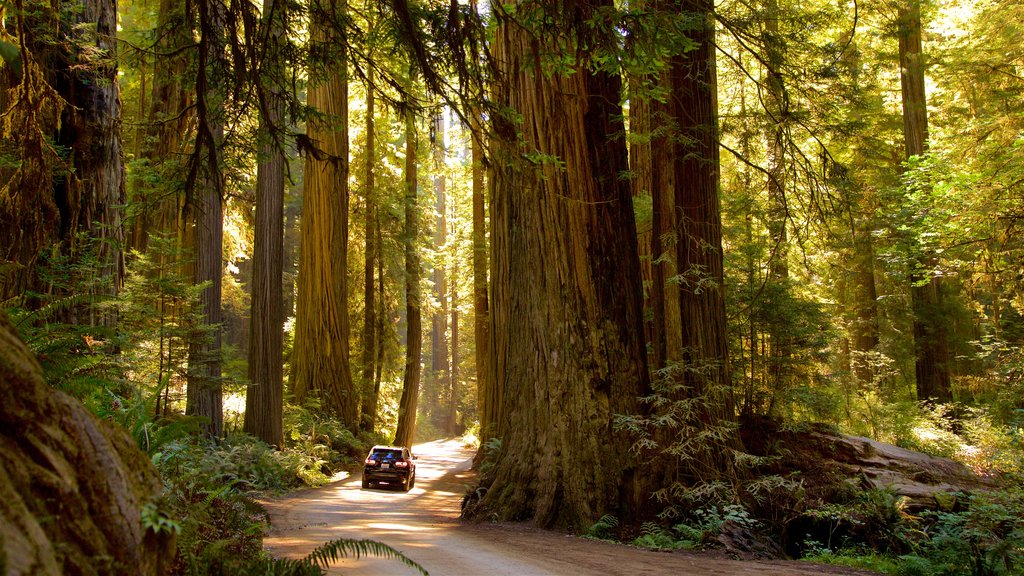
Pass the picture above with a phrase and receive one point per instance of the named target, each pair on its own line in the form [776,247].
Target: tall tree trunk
[161,208]
[488,397]
[204,395]
[439,326]
[61,101]
[406,429]
[264,400]
[453,378]
[567,316]
[320,361]
[699,253]
[368,406]
[927,292]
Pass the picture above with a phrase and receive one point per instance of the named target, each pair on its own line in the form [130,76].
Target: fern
[325,554]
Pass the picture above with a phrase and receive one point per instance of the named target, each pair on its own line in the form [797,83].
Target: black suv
[391,464]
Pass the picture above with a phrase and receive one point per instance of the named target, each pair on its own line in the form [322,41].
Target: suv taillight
[370,462]
[401,464]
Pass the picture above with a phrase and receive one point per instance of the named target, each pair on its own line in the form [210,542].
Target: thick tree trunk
[61,101]
[320,362]
[72,487]
[204,397]
[567,316]
[406,429]
[264,400]
[699,252]
[368,406]
[931,338]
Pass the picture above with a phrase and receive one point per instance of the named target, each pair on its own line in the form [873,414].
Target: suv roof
[383,447]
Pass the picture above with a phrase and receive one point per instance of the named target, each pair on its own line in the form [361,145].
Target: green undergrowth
[212,488]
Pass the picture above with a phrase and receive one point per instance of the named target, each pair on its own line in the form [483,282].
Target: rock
[72,486]
[826,461]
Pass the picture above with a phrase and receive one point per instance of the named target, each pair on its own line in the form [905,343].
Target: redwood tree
[927,291]
[264,399]
[406,429]
[566,318]
[320,361]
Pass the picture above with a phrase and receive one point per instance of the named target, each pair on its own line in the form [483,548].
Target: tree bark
[406,429]
[204,395]
[699,252]
[368,406]
[264,400]
[488,397]
[320,362]
[72,487]
[440,370]
[927,291]
[567,316]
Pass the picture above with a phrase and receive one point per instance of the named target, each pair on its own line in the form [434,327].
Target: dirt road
[424,525]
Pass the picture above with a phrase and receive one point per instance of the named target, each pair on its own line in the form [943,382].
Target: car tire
[412,480]
[366,483]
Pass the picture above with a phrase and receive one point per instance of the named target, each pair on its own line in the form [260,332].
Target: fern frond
[335,550]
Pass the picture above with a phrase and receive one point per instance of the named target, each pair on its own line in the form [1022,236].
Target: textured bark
[48,200]
[405,432]
[439,363]
[368,405]
[320,363]
[654,175]
[931,338]
[72,486]
[204,396]
[699,252]
[264,400]
[567,312]
[488,398]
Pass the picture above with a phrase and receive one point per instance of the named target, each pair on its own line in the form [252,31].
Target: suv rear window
[387,455]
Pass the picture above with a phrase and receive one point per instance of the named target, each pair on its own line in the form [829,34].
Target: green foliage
[317,445]
[492,448]
[239,461]
[864,559]
[603,529]
[985,539]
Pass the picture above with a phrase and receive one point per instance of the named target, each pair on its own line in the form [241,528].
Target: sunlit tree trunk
[204,395]
[264,400]
[320,362]
[488,397]
[368,405]
[406,430]
[931,338]
[440,370]
[567,313]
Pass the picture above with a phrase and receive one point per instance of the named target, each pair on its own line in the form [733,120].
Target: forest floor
[424,524]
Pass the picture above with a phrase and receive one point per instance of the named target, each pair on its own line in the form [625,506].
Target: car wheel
[412,480]
[366,483]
